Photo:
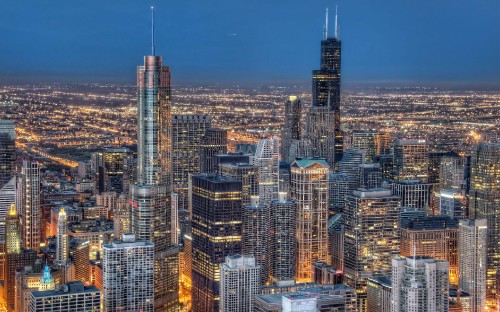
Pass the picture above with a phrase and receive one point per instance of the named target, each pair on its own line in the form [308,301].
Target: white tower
[62,242]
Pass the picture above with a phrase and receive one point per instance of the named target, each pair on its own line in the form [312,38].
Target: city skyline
[424,43]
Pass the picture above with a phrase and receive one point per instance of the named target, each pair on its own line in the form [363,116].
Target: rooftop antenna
[326,25]
[153,30]
[336,22]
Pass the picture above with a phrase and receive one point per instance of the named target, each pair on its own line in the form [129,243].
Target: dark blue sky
[424,41]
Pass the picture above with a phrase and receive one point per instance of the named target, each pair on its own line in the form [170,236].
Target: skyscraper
[472,244]
[12,231]
[453,203]
[255,235]
[239,283]
[7,151]
[216,227]
[371,238]
[291,128]
[29,195]
[375,143]
[128,275]
[267,161]
[187,134]
[413,193]
[150,199]
[214,142]
[452,173]
[352,158]
[323,118]
[247,174]
[411,160]
[484,202]
[7,198]
[309,188]
[62,240]
[114,166]
[419,284]
[282,237]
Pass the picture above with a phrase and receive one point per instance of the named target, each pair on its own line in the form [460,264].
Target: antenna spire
[153,30]
[336,22]
[326,25]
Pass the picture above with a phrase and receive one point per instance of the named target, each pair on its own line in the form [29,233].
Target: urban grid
[154,197]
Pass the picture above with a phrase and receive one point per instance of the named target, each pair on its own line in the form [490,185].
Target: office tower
[291,127]
[411,160]
[336,237]
[284,177]
[129,172]
[378,294]
[7,151]
[12,231]
[62,241]
[323,118]
[73,296]
[7,198]
[338,188]
[114,166]
[187,134]
[452,173]
[453,203]
[150,198]
[371,238]
[370,176]
[14,262]
[472,244]
[282,237]
[255,235]
[352,158]
[214,142]
[325,274]
[413,193]
[419,284]
[29,195]
[484,202]
[407,214]
[373,142]
[81,260]
[267,160]
[434,236]
[216,224]
[299,149]
[128,275]
[435,158]
[239,283]
[309,188]
[387,164]
[247,174]
[121,217]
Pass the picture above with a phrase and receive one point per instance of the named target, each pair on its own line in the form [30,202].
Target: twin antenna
[153,30]
[336,24]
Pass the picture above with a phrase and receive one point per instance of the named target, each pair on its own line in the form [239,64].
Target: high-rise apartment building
[29,196]
[214,142]
[433,236]
[255,235]
[266,159]
[484,202]
[239,283]
[292,126]
[128,275]
[73,296]
[323,118]
[419,284]
[472,244]
[411,160]
[309,188]
[7,151]
[121,218]
[282,238]
[371,238]
[62,240]
[216,232]
[187,134]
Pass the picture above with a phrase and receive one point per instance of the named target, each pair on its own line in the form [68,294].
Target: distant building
[419,283]
[239,283]
[73,296]
[128,275]
[453,203]
[411,160]
[291,128]
[375,143]
[266,159]
[7,151]
[214,142]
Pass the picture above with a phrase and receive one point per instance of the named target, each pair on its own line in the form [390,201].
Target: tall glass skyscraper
[323,119]
[7,151]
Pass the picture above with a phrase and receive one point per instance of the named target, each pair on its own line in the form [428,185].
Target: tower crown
[13,211]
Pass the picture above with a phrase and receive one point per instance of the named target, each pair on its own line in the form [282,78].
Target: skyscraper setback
[323,118]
